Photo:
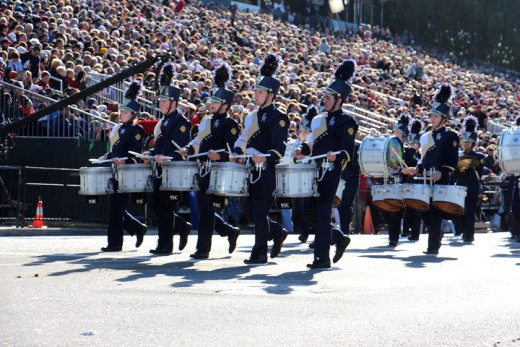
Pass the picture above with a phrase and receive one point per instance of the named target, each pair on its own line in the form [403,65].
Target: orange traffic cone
[38,219]
[368,226]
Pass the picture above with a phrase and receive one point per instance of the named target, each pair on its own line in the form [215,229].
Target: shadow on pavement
[417,261]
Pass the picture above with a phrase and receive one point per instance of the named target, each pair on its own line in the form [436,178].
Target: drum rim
[179,163]
[95,169]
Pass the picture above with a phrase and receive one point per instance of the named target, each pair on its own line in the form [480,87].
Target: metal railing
[68,122]
[116,93]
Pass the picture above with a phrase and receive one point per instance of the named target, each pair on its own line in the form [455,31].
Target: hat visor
[165,98]
[330,91]
[128,109]
[437,113]
[214,99]
[261,88]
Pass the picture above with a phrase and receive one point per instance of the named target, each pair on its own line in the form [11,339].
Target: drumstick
[245,156]
[320,156]
[176,145]
[139,155]
[97,161]
[394,152]
[206,153]
[229,149]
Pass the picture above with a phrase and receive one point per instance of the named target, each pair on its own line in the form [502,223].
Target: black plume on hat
[346,70]
[222,75]
[270,66]
[416,127]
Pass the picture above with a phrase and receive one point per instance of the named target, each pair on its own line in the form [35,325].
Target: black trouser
[393,219]
[411,223]
[346,209]
[465,224]
[119,220]
[209,220]
[169,222]
[261,199]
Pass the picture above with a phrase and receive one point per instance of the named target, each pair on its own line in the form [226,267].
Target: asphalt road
[62,291]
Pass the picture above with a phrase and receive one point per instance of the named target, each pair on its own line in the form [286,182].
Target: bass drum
[509,151]
[378,156]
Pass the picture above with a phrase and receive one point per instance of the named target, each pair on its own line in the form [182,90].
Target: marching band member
[124,138]
[216,131]
[515,201]
[172,127]
[469,171]
[411,218]
[394,219]
[265,132]
[439,152]
[332,132]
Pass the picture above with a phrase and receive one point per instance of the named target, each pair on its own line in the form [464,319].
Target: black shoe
[466,240]
[140,236]
[311,245]
[199,255]
[256,260]
[413,238]
[518,239]
[277,245]
[111,249]
[303,238]
[319,265]
[183,236]
[161,251]
[341,246]
[392,244]
[232,239]
[431,252]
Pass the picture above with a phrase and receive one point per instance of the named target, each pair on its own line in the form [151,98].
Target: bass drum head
[449,208]
[384,206]
[418,205]
[392,147]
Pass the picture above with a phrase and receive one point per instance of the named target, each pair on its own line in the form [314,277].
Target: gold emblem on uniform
[482,161]
[282,123]
[454,143]
[137,136]
[351,131]
[183,129]
[233,131]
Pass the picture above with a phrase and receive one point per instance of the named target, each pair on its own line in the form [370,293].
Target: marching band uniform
[331,132]
[265,132]
[217,131]
[515,201]
[411,218]
[172,127]
[394,219]
[124,138]
[439,151]
[469,176]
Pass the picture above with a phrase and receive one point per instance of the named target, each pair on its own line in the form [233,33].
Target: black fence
[12,204]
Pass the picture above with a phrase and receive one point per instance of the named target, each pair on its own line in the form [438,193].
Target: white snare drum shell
[95,181]
[228,179]
[134,178]
[295,180]
[179,176]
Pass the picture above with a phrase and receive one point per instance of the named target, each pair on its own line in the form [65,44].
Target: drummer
[439,152]
[411,218]
[394,219]
[469,171]
[173,127]
[124,137]
[515,201]
[265,132]
[332,132]
[217,131]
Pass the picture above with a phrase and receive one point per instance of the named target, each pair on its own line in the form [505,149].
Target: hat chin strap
[265,101]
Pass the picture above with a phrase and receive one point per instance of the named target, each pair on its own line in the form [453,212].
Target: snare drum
[379,194]
[134,178]
[449,199]
[377,156]
[228,179]
[393,195]
[179,176]
[416,196]
[295,180]
[509,150]
[96,180]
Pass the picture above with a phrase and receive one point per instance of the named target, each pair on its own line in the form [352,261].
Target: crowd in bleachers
[50,47]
